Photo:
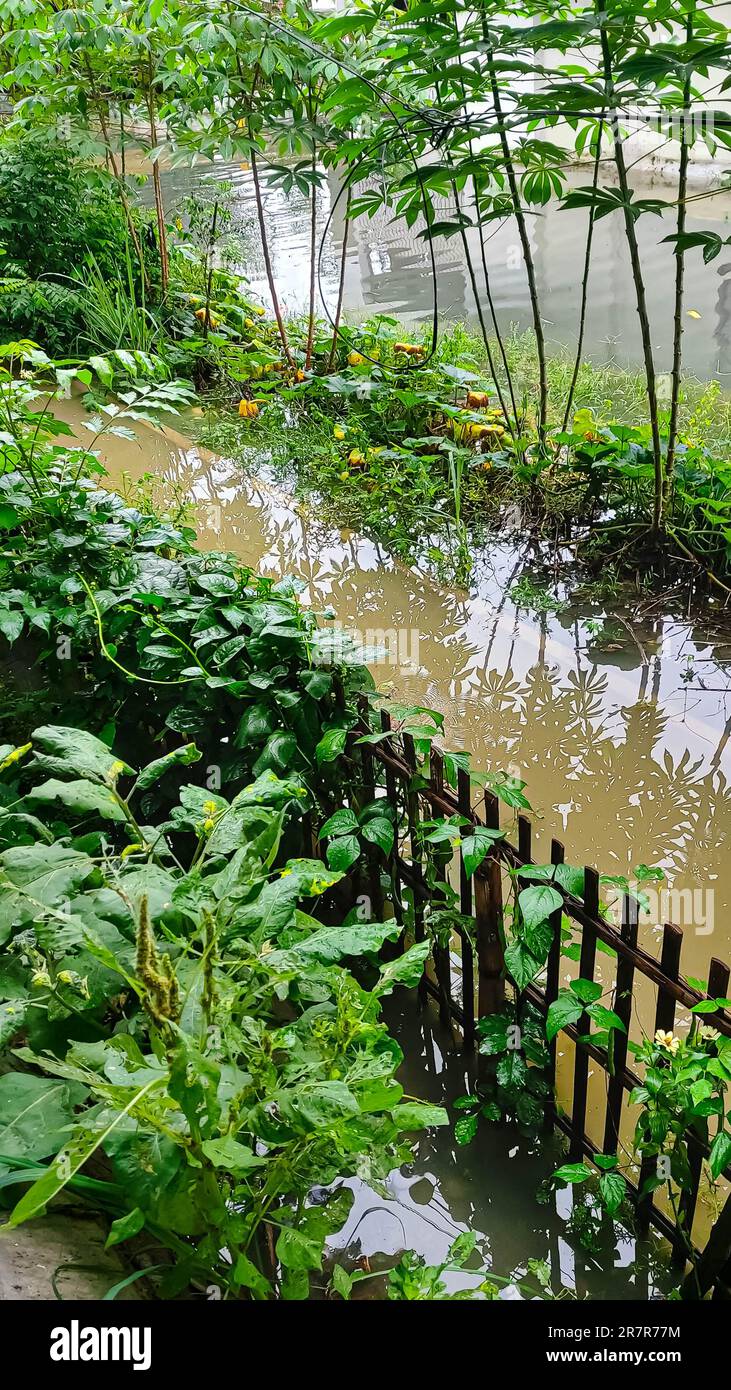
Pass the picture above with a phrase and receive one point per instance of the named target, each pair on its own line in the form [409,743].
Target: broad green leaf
[572,1172]
[77,798]
[538,902]
[563,1011]
[343,852]
[405,970]
[35,1113]
[180,757]
[341,823]
[466,1128]
[419,1115]
[477,845]
[74,1155]
[63,751]
[613,1189]
[720,1155]
[297,1250]
[125,1227]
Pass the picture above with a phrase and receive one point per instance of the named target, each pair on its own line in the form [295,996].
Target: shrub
[55,209]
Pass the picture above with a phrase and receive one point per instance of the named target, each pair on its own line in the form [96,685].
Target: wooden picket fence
[390,768]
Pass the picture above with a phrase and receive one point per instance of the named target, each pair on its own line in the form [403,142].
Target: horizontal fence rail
[418,793]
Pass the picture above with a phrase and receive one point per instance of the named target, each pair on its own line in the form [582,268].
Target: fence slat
[718,977]
[553,971]
[672,941]
[414,819]
[464,800]
[581,1061]
[392,798]
[489,915]
[369,794]
[525,834]
[440,954]
[623,1009]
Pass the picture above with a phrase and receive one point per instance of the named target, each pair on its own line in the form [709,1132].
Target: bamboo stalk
[585,279]
[679,282]
[341,282]
[637,276]
[522,226]
[162,236]
[313,256]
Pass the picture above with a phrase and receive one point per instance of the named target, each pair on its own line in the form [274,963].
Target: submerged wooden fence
[418,794]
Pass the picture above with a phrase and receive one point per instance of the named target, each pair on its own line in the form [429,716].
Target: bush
[49,313]
[55,209]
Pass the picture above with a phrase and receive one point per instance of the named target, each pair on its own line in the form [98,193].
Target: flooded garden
[365,654]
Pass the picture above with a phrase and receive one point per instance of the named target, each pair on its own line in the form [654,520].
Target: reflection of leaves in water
[633,799]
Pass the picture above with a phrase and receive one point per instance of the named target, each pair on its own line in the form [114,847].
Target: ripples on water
[388,271]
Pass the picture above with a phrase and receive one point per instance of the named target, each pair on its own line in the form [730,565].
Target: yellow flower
[210,808]
[409,349]
[344,476]
[248,410]
[66,977]
[355,359]
[299,375]
[208,825]
[666,1040]
[355,456]
[248,323]
[260,310]
[41,977]
[477,400]
[338,433]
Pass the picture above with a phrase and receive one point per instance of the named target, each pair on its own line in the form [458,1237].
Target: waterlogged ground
[622,737]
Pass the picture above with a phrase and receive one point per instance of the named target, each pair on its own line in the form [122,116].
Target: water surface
[388,268]
[625,754]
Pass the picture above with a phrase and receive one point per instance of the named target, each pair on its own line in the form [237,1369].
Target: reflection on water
[388,271]
[624,757]
[489,1187]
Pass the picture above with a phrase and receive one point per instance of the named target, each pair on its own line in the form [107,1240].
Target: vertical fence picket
[586,972]
[369,792]
[440,954]
[623,1009]
[525,838]
[464,801]
[718,976]
[392,800]
[413,816]
[553,970]
[672,941]
[525,834]
[489,915]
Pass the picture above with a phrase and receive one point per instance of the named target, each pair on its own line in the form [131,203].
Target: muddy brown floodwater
[625,754]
